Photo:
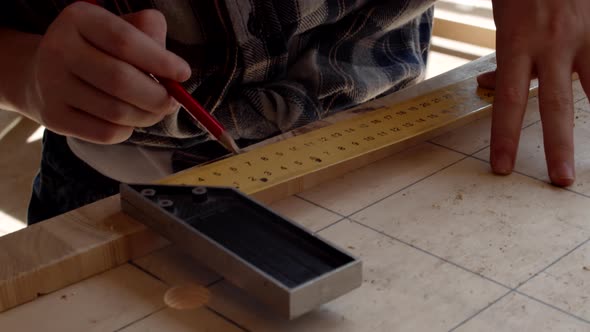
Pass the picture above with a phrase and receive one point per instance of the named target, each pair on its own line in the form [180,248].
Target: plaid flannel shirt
[263,67]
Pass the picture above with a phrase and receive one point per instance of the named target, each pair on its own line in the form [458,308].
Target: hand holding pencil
[195,109]
[88,76]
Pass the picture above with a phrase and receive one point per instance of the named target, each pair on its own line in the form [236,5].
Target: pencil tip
[228,142]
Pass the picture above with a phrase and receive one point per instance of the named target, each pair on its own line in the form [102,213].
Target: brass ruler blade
[287,167]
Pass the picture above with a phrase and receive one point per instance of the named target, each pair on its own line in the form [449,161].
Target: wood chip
[187,297]
[586,268]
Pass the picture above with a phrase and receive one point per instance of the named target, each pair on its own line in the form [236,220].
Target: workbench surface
[445,245]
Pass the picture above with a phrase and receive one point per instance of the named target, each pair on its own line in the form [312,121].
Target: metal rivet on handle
[148,192]
[165,203]
[199,194]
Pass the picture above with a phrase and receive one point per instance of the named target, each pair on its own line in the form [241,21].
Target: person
[261,68]
[549,42]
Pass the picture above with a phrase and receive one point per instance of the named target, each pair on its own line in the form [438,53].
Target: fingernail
[185,73]
[502,164]
[174,106]
[487,80]
[562,174]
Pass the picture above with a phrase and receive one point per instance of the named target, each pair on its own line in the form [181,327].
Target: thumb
[487,80]
[151,22]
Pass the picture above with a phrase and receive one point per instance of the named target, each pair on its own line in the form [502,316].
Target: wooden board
[107,302]
[122,299]
[98,237]
[48,256]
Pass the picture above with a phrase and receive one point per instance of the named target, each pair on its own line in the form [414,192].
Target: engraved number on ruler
[311,150]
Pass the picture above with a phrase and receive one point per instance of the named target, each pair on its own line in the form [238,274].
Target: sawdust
[66,296]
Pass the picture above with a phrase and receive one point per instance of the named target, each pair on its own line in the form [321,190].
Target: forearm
[18,50]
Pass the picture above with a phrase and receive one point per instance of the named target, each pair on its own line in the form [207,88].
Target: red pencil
[200,114]
[196,110]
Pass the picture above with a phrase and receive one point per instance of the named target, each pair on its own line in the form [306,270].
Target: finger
[583,70]
[89,128]
[510,99]
[151,22]
[117,78]
[121,39]
[556,104]
[487,80]
[87,98]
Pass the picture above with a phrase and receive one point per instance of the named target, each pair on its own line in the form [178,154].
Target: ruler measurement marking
[299,155]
